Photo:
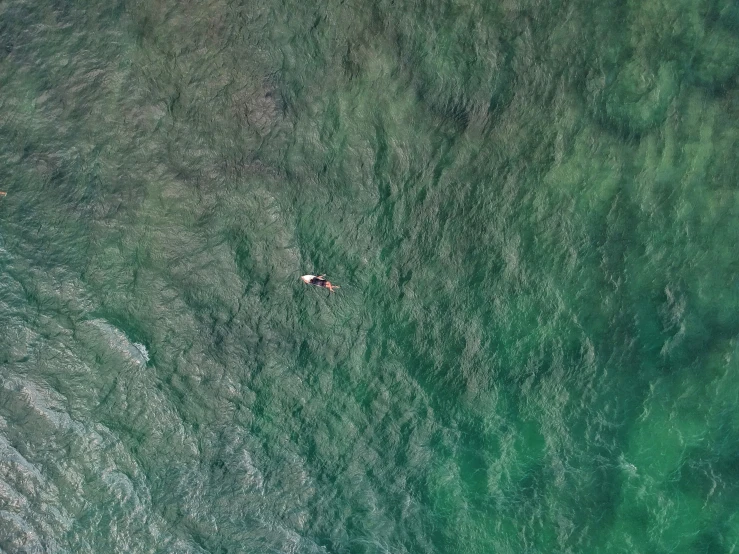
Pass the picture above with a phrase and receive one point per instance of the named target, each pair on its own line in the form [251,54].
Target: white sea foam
[142,349]
[118,341]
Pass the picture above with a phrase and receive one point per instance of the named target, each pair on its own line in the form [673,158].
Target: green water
[531,209]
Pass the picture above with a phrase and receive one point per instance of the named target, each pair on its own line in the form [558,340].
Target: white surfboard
[319,281]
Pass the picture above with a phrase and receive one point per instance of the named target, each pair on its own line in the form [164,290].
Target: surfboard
[319,281]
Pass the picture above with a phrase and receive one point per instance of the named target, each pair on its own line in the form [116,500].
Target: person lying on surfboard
[319,281]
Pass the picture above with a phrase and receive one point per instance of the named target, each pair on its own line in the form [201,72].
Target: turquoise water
[530,207]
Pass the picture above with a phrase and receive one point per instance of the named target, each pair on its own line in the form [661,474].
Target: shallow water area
[530,208]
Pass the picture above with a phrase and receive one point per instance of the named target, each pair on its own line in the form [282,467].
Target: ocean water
[532,209]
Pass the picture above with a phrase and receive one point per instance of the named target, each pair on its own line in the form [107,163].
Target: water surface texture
[532,211]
